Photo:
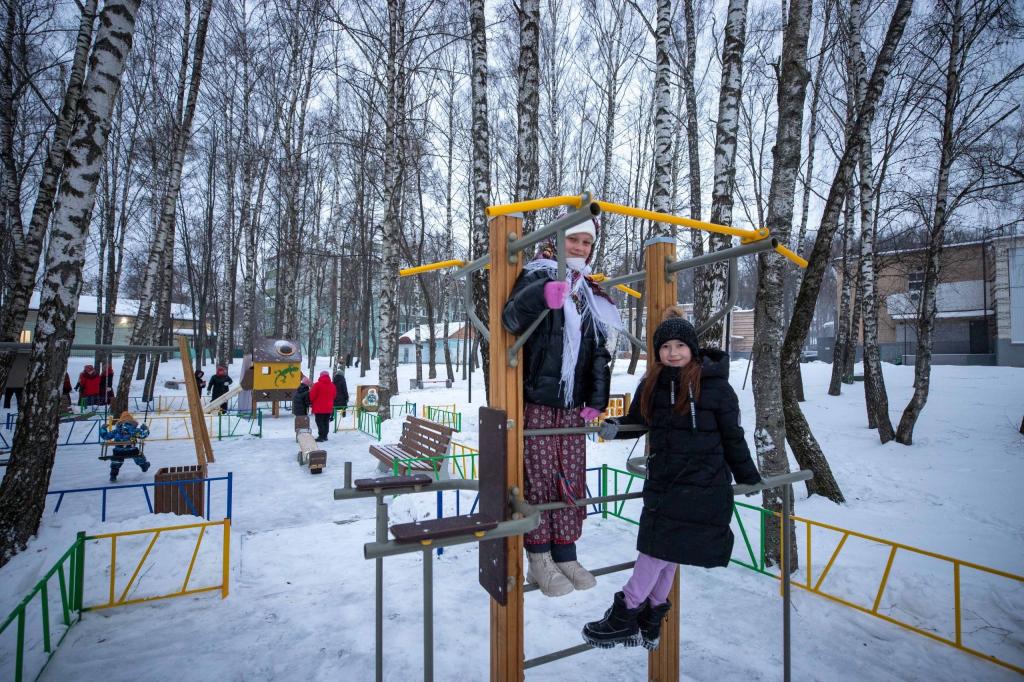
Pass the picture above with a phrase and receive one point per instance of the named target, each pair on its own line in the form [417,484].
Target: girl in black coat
[566,380]
[696,449]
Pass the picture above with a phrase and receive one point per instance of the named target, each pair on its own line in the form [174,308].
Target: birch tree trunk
[28,246]
[875,398]
[394,170]
[690,87]
[845,303]
[661,186]
[23,491]
[163,240]
[481,168]
[770,426]
[805,447]
[528,109]
[711,282]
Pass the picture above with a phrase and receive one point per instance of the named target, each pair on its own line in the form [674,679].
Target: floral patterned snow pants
[556,470]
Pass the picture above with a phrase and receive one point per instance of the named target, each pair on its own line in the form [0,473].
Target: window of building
[26,336]
[1016,266]
[915,279]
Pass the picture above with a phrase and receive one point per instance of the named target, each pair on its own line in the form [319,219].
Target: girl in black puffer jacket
[696,448]
[565,384]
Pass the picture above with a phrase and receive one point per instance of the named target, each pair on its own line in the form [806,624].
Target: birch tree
[481,172]
[23,491]
[770,426]
[528,108]
[710,283]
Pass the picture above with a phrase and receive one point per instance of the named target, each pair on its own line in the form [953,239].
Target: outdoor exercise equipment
[503,516]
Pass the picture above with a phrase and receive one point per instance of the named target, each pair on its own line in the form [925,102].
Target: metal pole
[588,211]
[428,615]
[786,501]
[116,347]
[731,252]
[382,536]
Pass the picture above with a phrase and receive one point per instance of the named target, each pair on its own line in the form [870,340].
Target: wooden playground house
[272,371]
[499,527]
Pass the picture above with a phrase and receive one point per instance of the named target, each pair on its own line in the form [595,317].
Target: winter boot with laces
[544,573]
[649,620]
[581,578]
[619,626]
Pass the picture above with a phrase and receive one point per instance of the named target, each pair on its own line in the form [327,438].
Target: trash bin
[186,498]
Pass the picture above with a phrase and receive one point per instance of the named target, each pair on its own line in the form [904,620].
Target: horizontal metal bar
[118,347]
[513,350]
[588,211]
[577,430]
[471,312]
[723,254]
[637,343]
[478,264]
[623,279]
[597,572]
[556,655]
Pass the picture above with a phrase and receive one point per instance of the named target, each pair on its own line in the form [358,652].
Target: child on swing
[126,434]
[696,448]
[566,378]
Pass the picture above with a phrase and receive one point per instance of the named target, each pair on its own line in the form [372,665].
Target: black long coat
[542,354]
[300,401]
[693,457]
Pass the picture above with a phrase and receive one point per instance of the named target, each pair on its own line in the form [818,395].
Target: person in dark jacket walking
[200,381]
[696,448]
[219,385]
[300,398]
[321,398]
[341,391]
[566,379]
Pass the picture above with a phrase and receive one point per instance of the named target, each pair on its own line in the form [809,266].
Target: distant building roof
[125,306]
[453,332]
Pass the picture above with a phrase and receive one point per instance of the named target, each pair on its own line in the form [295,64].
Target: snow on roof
[453,332]
[125,306]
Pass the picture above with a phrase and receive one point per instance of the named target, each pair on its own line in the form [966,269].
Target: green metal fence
[449,418]
[237,424]
[69,573]
[369,423]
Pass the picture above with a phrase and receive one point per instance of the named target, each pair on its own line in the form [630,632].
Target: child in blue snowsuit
[126,434]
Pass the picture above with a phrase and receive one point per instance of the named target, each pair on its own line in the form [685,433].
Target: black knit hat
[679,329]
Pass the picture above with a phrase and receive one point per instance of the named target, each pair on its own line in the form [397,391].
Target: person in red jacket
[88,386]
[321,398]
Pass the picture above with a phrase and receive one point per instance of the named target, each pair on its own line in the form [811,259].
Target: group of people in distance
[322,398]
[693,429]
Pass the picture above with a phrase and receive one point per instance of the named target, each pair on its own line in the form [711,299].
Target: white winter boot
[581,578]
[544,573]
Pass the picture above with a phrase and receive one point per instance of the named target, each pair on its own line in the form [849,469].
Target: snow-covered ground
[301,602]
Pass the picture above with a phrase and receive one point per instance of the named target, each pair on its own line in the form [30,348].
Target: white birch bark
[481,175]
[528,108]
[661,185]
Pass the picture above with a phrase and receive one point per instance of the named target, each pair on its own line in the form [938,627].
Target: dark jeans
[323,423]
[16,392]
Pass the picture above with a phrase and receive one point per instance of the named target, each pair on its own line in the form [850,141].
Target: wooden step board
[310,452]
[392,482]
[435,529]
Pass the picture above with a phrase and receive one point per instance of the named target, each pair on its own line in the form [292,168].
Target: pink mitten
[589,414]
[555,293]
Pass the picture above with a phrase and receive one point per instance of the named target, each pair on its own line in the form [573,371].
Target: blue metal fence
[149,503]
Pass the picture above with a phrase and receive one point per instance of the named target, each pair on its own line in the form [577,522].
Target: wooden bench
[421,439]
[310,452]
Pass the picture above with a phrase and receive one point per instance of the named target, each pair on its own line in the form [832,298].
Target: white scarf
[598,309]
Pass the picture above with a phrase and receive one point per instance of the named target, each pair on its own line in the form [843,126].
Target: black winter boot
[649,621]
[619,626]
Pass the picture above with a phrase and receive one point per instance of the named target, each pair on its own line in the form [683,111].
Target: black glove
[608,429]
[759,482]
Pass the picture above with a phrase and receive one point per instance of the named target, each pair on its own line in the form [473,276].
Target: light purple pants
[652,578]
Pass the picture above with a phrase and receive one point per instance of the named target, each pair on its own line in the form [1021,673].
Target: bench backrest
[425,438]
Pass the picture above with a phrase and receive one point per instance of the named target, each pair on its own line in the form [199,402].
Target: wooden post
[663,662]
[200,435]
[507,394]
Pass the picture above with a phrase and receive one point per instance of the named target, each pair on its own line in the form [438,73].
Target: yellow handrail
[534,205]
[656,216]
[430,267]
[598,277]
[791,255]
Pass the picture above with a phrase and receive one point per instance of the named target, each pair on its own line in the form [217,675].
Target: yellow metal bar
[113,565]
[621,287]
[885,579]
[195,553]
[828,566]
[140,600]
[138,568]
[956,599]
[791,255]
[808,554]
[153,530]
[534,205]
[226,569]
[608,207]
[430,267]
